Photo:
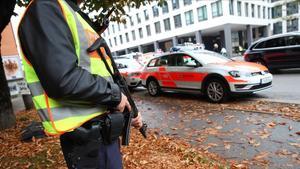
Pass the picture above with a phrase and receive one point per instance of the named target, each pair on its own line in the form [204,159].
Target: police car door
[185,72]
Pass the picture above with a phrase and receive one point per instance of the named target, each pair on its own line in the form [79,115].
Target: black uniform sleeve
[47,43]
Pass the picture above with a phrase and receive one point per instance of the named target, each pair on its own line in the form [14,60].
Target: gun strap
[106,64]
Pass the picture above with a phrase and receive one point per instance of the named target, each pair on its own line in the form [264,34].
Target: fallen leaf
[295,144]
[261,155]
[298,132]
[271,124]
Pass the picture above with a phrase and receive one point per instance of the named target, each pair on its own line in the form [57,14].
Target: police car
[214,75]
[130,69]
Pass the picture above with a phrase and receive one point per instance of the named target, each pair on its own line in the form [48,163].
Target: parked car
[276,52]
[130,69]
[210,73]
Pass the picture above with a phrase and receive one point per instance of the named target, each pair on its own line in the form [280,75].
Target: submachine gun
[101,47]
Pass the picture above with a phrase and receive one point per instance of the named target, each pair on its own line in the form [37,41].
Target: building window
[155,11]
[292,25]
[292,8]
[127,37]
[175,4]
[277,11]
[141,32]
[216,8]
[113,28]
[121,39]
[269,11]
[148,30]
[231,10]
[110,44]
[187,2]
[119,28]
[138,18]
[177,21]
[108,31]
[264,12]
[252,10]
[131,21]
[157,27]
[258,11]
[189,17]
[133,35]
[125,25]
[246,9]
[165,8]
[146,14]
[115,39]
[202,13]
[277,28]
[167,24]
[239,8]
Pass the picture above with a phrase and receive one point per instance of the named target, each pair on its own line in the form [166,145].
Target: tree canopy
[100,7]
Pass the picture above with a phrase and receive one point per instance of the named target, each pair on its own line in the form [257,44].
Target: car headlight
[235,73]
[134,74]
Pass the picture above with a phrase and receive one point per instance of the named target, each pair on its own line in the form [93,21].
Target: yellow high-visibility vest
[60,116]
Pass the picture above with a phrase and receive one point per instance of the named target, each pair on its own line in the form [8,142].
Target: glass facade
[258,11]
[155,11]
[187,2]
[231,9]
[277,28]
[246,9]
[202,13]
[148,29]
[252,10]
[177,21]
[239,8]
[277,11]
[138,18]
[127,37]
[165,8]
[292,25]
[141,32]
[175,4]
[189,17]
[157,27]
[146,15]
[167,24]
[121,39]
[292,8]
[216,8]
[133,35]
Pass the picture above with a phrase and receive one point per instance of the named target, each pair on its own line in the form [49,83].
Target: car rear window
[293,40]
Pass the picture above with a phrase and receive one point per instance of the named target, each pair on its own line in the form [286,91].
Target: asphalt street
[286,87]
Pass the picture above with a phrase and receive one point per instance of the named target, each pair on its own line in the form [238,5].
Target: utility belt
[105,129]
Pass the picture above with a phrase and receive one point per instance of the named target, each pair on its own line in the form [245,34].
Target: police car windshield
[206,57]
[127,63]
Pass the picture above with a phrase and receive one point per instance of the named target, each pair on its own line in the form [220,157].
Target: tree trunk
[7,116]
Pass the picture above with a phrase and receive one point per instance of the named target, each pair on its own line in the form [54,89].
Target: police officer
[72,90]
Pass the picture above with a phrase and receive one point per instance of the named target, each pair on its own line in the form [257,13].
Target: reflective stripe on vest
[59,116]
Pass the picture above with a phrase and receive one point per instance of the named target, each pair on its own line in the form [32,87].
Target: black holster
[112,127]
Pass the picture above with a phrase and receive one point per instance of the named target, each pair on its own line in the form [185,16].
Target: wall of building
[240,23]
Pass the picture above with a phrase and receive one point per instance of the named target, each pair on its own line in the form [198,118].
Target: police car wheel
[153,87]
[216,91]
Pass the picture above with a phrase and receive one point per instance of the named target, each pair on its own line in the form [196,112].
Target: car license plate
[265,80]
